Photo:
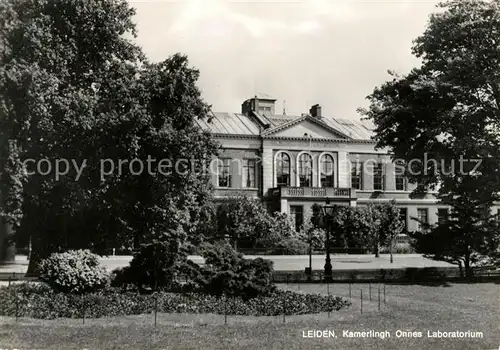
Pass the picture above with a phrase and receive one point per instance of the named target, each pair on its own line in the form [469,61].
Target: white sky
[305,52]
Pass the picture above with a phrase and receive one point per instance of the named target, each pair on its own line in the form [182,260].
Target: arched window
[327,171]
[283,170]
[305,170]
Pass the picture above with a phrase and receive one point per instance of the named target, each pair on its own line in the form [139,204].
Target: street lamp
[328,211]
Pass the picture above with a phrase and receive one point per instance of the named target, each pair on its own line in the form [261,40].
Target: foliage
[311,232]
[75,271]
[39,301]
[370,226]
[448,110]
[86,96]
[159,266]
[316,237]
[291,246]
[226,272]
[247,221]
[155,266]
[391,225]
[398,248]
[446,241]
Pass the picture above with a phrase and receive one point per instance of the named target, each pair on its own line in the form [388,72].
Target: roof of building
[230,123]
[263,96]
[241,124]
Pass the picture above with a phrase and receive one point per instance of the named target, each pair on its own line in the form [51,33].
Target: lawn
[462,307]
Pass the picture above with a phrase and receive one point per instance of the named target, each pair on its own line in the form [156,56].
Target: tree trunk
[460,268]
[377,250]
[467,267]
[35,258]
[390,251]
[7,245]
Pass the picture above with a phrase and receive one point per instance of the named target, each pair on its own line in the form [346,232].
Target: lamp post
[309,272]
[328,211]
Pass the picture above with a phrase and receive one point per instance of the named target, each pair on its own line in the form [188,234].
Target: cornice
[237,136]
[295,138]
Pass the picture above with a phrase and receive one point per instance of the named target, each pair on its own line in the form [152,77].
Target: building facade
[292,162]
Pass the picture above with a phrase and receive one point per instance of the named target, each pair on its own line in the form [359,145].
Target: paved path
[284,262]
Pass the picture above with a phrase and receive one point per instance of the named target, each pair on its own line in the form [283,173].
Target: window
[297,214]
[356,169]
[305,170]
[399,177]
[378,177]
[249,173]
[224,172]
[283,170]
[442,215]
[327,172]
[423,217]
[403,215]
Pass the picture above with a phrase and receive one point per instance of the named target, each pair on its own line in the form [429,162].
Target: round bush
[74,271]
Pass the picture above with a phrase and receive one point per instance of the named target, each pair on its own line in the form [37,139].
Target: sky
[333,53]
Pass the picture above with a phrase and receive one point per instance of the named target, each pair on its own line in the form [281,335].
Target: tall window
[283,170]
[249,173]
[442,215]
[224,173]
[403,216]
[305,170]
[356,169]
[378,177]
[327,173]
[297,213]
[399,177]
[423,217]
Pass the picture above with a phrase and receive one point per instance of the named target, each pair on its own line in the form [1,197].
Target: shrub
[292,246]
[227,272]
[40,301]
[316,236]
[75,271]
[398,248]
[154,266]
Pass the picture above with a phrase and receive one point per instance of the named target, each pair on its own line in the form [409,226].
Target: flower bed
[40,301]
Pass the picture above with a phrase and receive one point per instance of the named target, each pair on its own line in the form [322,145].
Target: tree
[247,221]
[74,88]
[466,244]
[311,232]
[391,225]
[371,225]
[443,118]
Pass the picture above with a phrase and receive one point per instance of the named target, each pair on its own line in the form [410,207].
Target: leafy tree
[74,87]
[448,111]
[370,220]
[247,221]
[447,241]
[391,225]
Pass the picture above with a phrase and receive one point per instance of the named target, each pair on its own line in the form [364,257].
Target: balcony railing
[313,192]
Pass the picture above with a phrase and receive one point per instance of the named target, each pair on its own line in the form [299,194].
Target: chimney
[315,111]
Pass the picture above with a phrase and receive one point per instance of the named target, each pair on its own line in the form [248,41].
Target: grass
[463,307]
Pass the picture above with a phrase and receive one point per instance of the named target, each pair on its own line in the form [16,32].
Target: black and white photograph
[215,174]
